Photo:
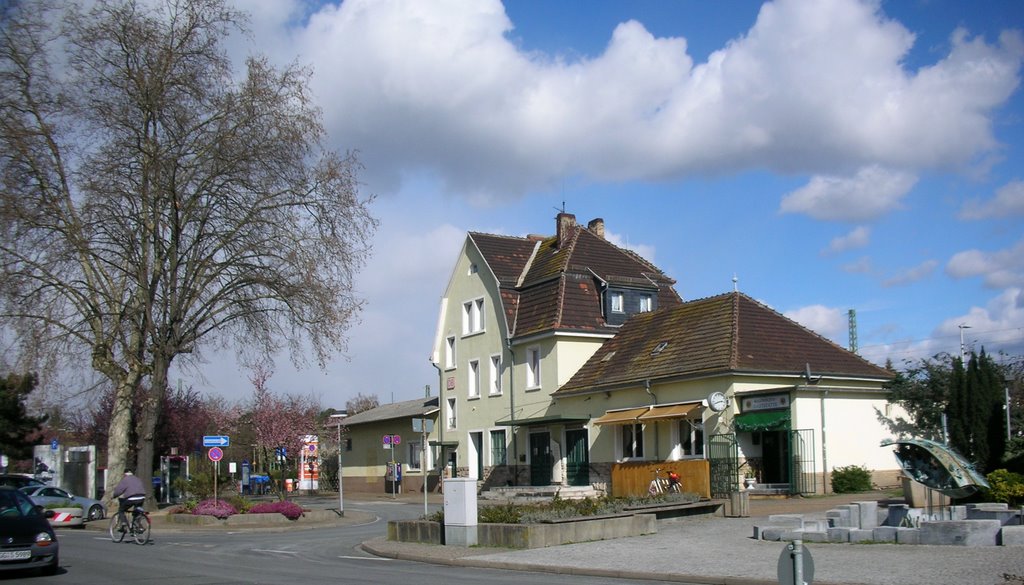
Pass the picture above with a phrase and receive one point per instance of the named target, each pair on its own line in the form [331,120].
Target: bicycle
[139,527]
[661,485]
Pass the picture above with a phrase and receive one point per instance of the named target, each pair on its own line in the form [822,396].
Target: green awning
[769,420]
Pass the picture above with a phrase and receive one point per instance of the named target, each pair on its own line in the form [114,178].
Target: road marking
[283,552]
[364,558]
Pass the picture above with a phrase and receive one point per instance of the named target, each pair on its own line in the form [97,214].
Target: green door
[540,458]
[577,457]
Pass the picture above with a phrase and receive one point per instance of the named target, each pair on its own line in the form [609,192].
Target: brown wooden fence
[634,479]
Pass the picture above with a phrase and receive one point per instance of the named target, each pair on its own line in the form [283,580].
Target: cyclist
[129,492]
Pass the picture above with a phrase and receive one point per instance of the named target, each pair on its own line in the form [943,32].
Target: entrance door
[540,458]
[476,457]
[577,457]
[775,453]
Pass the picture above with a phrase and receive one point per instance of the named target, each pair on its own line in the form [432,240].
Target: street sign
[54,444]
[216,454]
[391,440]
[216,441]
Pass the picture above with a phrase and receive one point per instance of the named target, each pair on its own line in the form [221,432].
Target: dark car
[27,541]
[18,481]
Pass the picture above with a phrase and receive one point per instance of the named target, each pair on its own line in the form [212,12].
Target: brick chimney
[596,225]
[566,221]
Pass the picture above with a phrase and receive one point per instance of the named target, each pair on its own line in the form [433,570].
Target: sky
[820,156]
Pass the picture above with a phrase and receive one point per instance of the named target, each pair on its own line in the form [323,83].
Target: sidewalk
[715,550]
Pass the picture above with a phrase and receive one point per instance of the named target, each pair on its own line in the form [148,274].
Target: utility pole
[963,348]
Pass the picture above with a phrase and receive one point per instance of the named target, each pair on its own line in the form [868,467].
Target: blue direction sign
[216,441]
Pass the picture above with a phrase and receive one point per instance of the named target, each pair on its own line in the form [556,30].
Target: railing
[634,479]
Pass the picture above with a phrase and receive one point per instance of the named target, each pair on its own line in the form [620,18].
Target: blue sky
[831,154]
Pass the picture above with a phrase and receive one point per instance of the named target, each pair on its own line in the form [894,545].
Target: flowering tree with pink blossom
[280,421]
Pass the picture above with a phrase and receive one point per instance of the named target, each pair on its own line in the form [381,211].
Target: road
[320,555]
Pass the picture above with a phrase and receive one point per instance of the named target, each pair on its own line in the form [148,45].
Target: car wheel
[96,512]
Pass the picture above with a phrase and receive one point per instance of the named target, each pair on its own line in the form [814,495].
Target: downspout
[441,422]
[824,444]
[647,389]
[512,411]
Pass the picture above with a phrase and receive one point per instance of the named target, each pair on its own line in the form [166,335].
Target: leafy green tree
[16,425]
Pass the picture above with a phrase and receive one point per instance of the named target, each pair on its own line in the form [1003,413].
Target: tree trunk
[149,415]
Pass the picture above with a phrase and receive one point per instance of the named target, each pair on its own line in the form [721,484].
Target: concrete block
[961,532]
[786,520]
[988,505]
[1012,536]
[839,517]
[814,536]
[838,534]
[816,525]
[858,535]
[958,512]
[883,534]
[775,533]
[868,514]
[1004,515]
[908,536]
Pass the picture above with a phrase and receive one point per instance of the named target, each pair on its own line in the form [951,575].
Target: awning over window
[673,411]
[621,417]
[770,420]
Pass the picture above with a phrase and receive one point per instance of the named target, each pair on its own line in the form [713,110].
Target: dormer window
[617,302]
[646,303]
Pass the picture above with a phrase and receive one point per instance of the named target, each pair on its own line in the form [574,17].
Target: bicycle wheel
[117,529]
[140,529]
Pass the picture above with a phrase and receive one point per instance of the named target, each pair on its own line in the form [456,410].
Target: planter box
[525,536]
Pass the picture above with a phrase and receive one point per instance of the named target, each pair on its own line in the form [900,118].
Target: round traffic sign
[216,453]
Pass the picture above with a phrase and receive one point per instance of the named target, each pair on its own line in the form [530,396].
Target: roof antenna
[562,210]
[735,283]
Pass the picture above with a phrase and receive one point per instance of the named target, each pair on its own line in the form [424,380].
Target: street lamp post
[341,492]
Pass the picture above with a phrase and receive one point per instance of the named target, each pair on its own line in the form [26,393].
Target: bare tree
[153,205]
[361,402]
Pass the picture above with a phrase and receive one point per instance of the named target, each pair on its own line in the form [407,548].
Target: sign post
[389,443]
[215,454]
[423,426]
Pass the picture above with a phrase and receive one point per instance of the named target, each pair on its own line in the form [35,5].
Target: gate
[723,461]
[577,457]
[802,470]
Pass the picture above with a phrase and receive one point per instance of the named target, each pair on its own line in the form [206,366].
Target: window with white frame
[499,449]
[617,300]
[691,437]
[474,378]
[495,381]
[449,352]
[533,367]
[415,454]
[472,316]
[646,303]
[451,413]
[632,440]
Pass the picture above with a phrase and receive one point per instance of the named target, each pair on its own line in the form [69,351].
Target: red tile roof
[547,287]
[721,334]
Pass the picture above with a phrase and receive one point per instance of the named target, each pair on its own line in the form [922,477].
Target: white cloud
[1008,202]
[442,87]
[912,275]
[825,321]
[860,266]
[645,251]
[869,194]
[1001,269]
[859,237]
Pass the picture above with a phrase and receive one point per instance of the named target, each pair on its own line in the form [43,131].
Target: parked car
[46,495]
[29,541]
[15,480]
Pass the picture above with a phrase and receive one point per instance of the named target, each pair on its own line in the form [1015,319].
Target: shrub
[1005,486]
[217,508]
[54,506]
[503,514]
[850,479]
[289,510]
[241,504]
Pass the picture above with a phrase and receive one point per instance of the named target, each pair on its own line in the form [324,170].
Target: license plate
[15,555]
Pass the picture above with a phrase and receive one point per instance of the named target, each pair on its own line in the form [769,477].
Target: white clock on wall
[717,401]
